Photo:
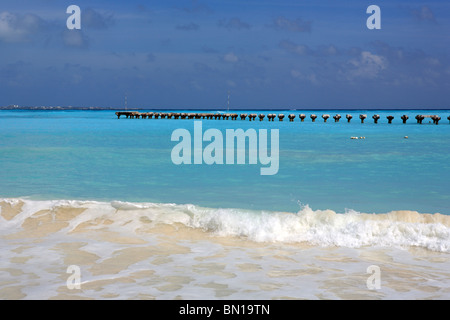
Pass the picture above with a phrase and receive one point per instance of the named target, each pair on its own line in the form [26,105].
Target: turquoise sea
[103,193]
[91,155]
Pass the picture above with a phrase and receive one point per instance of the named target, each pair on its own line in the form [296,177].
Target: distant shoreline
[59,108]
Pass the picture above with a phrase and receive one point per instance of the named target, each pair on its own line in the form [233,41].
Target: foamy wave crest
[328,228]
[316,227]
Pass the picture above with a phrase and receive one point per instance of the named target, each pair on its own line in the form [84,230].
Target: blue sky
[189,53]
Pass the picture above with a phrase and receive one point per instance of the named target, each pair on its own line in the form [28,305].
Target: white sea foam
[316,227]
[137,250]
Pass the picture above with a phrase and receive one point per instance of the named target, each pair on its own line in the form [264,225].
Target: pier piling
[404,118]
[271,117]
[390,118]
[420,118]
[435,119]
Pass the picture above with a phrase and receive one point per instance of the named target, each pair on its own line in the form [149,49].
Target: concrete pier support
[390,118]
[271,117]
[420,118]
[404,118]
[435,119]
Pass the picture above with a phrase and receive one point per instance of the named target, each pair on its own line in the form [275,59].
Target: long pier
[270,117]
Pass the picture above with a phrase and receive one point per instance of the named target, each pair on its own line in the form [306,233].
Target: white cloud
[18,28]
[231,83]
[298,25]
[234,23]
[424,14]
[367,66]
[230,57]
[312,78]
[75,38]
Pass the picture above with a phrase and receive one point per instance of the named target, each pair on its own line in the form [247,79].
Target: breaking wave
[325,228]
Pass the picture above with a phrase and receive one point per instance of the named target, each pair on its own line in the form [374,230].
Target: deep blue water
[92,155]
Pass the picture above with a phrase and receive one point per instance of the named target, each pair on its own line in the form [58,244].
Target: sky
[180,54]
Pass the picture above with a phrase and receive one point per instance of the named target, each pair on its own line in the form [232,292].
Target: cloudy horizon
[191,53]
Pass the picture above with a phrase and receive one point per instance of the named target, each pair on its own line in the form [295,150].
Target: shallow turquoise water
[91,155]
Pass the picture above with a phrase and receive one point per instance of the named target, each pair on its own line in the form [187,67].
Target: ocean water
[85,189]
